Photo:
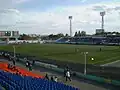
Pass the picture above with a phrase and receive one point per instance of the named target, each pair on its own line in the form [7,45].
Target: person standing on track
[52,78]
[46,76]
[68,76]
[65,70]
[14,62]
[30,67]
[27,63]
[55,79]
[33,62]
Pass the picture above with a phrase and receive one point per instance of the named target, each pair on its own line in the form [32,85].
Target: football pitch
[70,53]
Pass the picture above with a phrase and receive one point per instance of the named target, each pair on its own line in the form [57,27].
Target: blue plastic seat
[17,82]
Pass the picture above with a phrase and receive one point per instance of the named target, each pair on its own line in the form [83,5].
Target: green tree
[79,34]
[50,36]
[76,34]
[66,35]
[25,37]
[60,35]
[83,33]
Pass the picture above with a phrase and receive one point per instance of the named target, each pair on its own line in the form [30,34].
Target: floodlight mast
[102,14]
[85,67]
[14,53]
[70,18]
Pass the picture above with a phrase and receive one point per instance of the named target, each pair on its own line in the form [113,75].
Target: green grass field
[66,52]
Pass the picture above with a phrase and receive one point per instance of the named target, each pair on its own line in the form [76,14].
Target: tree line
[59,35]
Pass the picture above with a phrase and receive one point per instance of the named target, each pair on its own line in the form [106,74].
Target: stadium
[90,60]
[59,61]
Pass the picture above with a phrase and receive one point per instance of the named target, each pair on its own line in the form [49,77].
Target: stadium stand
[62,40]
[109,40]
[1,88]
[16,82]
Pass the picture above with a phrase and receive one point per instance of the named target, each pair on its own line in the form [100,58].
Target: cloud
[83,1]
[6,4]
[98,8]
[20,1]
[117,8]
[8,11]
[56,20]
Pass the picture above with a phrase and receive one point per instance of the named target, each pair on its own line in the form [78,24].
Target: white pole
[70,28]
[70,18]
[102,26]
[85,64]
[32,38]
[14,52]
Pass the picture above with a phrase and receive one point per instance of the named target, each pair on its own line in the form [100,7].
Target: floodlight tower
[70,18]
[102,14]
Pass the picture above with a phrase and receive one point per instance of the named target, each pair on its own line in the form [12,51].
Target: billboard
[99,31]
[9,33]
[5,33]
[15,33]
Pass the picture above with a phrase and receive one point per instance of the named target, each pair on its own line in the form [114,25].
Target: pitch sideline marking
[107,59]
[110,63]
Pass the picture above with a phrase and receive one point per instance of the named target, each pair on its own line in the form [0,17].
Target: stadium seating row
[90,40]
[16,82]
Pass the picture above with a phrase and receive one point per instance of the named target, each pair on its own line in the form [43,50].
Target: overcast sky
[51,16]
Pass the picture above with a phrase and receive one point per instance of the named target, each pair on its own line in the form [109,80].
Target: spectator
[30,67]
[33,62]
[46,76]
[17,72]
[13,68]
[68,76]
[65,70]
[13,62]
[52,78]
[8,66]
[10,58]
[55,79]
[27,64]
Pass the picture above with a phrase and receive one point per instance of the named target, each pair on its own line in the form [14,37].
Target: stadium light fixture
[102,14]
